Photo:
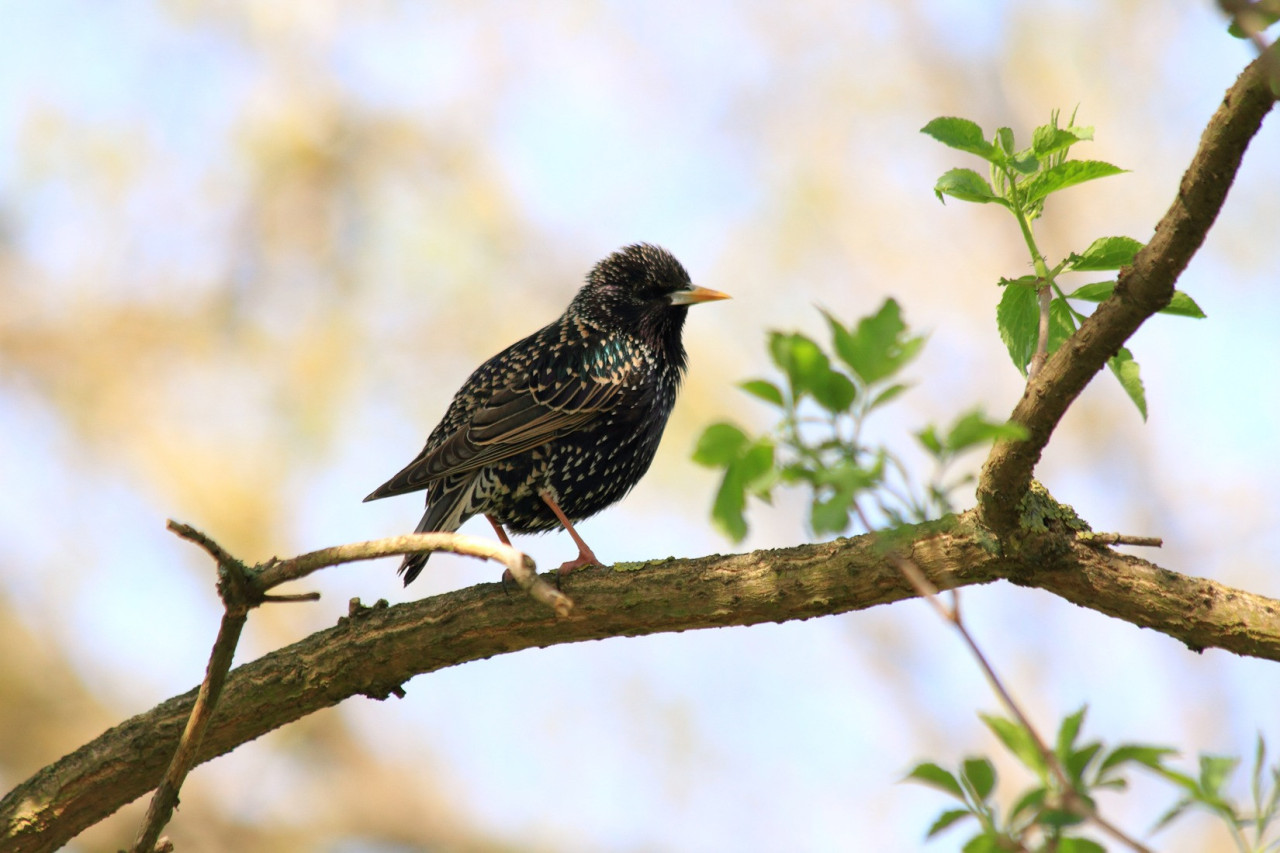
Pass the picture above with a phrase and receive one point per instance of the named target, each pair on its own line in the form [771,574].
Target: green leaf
[809,371]
[981,774]
[1263,815]
[1048,139]
[1094,292]
[966,185]
[1182,305]
[796,472]
[848,476]
[1025,162]
[749,470]
[1068,732]
[934,776]
[974,429]
[1214,770]
[1083,132]
[756,463]
[765,390]
[1152,757]
[1065,175]
[1105,253]
[879,347]
[720,444]
[1018,741]
[835,392]
[1018,317]
[1078,760]
[731,500]
[1172,814]
[1004,141]
[800,359]
[1126,370]
[946,819]
[984,843]
[1031,801]
[929,438]
[1079,845]
[1062,324]
[887,395]
[1148,756]
[1263,18]
[1182,780]
[961,134]
[830,515]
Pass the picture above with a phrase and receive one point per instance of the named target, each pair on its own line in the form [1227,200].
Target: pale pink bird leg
[585,555]
[507,577]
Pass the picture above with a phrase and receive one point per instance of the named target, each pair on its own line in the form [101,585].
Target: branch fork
[243,588]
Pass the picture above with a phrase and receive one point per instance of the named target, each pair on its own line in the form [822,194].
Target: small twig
[1042,339]
[520,565]
[189,533]
[274,572]
[292,597]
[1091,538]
[929,592]
[231,587]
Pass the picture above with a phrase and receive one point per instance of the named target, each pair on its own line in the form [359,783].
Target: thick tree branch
[374,650]
[1141,290]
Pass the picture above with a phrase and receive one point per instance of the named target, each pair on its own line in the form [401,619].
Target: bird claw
[579,562]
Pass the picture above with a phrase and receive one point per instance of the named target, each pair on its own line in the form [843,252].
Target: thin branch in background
[930,593]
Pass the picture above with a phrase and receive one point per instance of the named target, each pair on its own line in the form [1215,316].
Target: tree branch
[1141,290]
[375,650]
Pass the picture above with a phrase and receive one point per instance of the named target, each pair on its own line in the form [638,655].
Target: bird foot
[584,559]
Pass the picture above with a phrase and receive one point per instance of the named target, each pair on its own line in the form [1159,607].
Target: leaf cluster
[1048,815]
[823,396]
[1035,314]
[1206,791]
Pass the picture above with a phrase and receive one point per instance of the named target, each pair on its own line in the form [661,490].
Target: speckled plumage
[571,415]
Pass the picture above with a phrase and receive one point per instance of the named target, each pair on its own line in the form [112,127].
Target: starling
[564,423]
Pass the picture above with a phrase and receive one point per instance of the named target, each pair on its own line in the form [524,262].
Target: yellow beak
[696,294]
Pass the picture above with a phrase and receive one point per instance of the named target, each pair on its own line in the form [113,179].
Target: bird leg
[507,577]
[585,555]
[497,528]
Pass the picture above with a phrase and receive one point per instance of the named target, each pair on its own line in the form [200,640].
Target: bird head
[642,290]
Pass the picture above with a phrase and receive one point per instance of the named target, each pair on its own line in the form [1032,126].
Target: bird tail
[448,507]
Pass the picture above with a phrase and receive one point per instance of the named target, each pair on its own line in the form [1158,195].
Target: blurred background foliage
[249,249]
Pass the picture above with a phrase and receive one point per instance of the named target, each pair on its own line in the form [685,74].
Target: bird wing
[521,415]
